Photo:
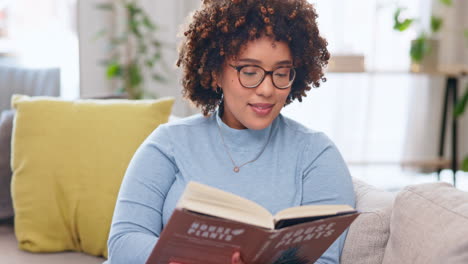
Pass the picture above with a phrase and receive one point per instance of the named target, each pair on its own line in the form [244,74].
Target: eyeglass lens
[251,76]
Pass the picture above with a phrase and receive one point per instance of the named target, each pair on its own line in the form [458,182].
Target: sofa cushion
[6,123]
[367,236]
[429,224]
[10,254]
[68,160]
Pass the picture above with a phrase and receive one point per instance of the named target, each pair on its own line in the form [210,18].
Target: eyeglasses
[251,76]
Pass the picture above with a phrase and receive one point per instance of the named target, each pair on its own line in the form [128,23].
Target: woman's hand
[235,259]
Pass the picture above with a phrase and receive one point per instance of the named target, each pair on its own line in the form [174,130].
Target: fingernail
[237,257]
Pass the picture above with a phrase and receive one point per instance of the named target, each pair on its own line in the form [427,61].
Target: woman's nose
[266,88]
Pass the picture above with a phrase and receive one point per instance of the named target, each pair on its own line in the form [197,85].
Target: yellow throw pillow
[68,161]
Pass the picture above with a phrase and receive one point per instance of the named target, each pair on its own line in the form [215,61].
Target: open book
[209,225]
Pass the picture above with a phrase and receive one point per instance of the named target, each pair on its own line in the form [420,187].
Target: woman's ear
[216,80]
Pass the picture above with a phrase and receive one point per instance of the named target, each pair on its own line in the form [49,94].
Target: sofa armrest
[368,235]
[6,125]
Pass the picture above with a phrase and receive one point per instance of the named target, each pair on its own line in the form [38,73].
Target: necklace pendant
[236,169]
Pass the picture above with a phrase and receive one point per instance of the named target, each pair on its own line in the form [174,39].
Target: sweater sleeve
[326,180]
[137,220]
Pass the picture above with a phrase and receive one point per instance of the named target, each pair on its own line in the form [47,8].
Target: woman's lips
[261,109]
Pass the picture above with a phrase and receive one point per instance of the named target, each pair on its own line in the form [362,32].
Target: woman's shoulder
[177,124]
[193,120]
[300,131]
[177,128]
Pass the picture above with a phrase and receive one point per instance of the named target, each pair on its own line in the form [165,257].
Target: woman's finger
[236,258]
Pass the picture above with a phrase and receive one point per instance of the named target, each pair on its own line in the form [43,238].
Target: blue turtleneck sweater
[298,166]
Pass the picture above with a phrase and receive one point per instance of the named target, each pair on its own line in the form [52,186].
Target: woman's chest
[272,185]
[270,177]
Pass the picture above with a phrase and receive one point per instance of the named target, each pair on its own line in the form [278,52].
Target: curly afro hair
[220,28]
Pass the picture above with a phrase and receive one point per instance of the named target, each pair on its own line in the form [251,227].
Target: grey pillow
[6,124]
[429,225]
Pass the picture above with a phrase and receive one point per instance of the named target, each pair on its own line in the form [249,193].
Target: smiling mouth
[261,109]
[262,106]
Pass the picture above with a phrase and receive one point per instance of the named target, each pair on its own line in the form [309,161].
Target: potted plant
[133,49]
[424,51]
[461,107]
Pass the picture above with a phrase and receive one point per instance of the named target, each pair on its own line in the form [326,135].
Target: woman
[242,61]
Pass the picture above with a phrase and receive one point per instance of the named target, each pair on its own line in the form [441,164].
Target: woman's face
[254,108]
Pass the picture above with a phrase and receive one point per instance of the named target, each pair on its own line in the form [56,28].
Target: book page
[215,202]
[312,211]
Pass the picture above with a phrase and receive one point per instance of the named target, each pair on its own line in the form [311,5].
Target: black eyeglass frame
[239,68]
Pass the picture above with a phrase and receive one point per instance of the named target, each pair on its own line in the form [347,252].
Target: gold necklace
[237,168]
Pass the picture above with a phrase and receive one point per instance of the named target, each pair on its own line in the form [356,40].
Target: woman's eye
[282,75]
[249,73]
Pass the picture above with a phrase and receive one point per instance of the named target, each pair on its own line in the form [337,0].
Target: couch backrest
[27,81]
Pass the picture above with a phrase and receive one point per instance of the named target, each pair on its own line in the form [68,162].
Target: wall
[92,76]
[168,15]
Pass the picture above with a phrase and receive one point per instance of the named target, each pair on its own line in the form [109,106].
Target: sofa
[422,224]
[27,80]
[425,223]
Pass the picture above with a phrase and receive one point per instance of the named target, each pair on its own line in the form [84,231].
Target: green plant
[421,46]
[464,165]
[133,50]
[401,25]
[466,36]
[460,108]
[436,23]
